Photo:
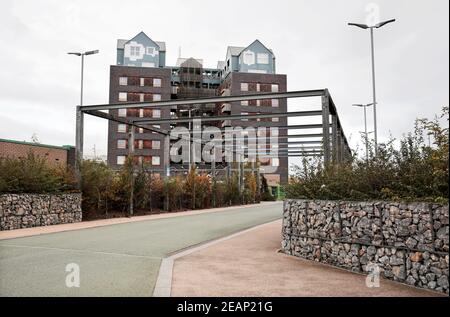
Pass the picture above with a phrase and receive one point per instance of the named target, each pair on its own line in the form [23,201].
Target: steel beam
[220,99]
[231,117]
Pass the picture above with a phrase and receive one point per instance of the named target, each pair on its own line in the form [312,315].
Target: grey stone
[430,277]
[411,243]
[442,233]
[411,280]
[436,271]
[395,260]
[371,250]
[443,281]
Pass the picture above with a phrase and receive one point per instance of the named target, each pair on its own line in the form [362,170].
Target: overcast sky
[39,82]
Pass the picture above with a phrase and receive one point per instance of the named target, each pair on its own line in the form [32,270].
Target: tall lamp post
[371,27]
[79,118]
[366,134]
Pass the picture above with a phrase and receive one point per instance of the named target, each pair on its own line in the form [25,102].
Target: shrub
[33,174]
[413,171]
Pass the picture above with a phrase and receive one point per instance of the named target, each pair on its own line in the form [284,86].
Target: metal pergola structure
[334,144]
[331,143]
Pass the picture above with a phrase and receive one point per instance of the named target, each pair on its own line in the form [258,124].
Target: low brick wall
[33,210]
[408,242]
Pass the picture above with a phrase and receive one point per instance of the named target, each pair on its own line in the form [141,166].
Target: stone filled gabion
[408,242]
[32,210]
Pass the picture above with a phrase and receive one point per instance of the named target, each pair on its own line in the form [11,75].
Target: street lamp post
[366,134]
[79,118]
[82,68]
[376,26]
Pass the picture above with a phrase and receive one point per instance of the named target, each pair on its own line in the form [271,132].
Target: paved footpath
[249,265]
[120,259]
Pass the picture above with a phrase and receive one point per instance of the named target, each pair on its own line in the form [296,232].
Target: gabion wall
[34,210]
[408,242]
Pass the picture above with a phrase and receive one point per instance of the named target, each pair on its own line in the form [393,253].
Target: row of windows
[138,97]
[123,128]
[262,103]
[153,160]
[140,81]
[140,144]
[156,160]
[140,113]
[257,87]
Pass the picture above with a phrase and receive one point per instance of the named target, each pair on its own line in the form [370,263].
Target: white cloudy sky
[39,82]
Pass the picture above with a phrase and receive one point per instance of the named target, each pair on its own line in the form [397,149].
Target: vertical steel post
[213,175]
[258,180]
[131,158]
[366,133]
[166,167]
[334,137]
[326,127]
[79,144]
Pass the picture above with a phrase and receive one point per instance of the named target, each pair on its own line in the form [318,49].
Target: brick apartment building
[54,155]
[141,74]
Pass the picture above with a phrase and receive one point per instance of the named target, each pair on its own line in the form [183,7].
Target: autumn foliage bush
[105,190]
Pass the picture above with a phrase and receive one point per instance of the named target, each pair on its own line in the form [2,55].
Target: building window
[275,103]
[121,128]
[141,130]
[244,103]
[274,132]
[120,160]
[122,112]
[262,58]
[275,162]
[123,81]
[122,96]
[156,160]
[244,86]
[274,87]
[244,114]
[135,50]
[141,113]
[156,144]
[142,82]
[150,50]
[141,97]
[156,97]
[156,113]
[275,119]
[121,144]
[140,144]
[156,82]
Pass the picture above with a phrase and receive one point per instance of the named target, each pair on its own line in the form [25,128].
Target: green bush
[414,170]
